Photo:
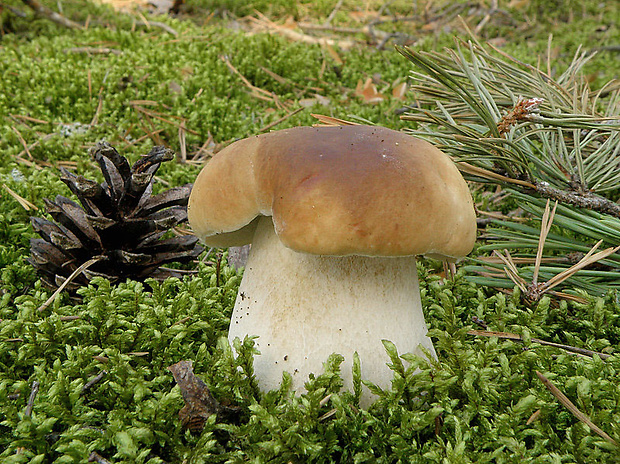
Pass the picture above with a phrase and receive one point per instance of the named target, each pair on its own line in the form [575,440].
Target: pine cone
[119,221]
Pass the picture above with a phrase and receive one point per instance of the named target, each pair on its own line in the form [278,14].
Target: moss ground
[481,402]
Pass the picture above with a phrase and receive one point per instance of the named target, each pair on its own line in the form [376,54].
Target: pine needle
[511,270]
[587,260]
[545,227]
[21,200]
[568,404]
[73,275]
[331,121]
[517,337]
[485,173]
[540,137]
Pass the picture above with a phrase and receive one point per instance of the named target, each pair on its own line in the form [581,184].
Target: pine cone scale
[74,218]
[119,221]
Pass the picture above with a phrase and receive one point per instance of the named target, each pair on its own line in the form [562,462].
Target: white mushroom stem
[305,307]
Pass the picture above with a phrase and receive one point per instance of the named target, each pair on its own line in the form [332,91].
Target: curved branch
[586,200]
[44,11]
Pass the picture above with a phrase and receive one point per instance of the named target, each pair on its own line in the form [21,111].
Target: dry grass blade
[587,260]
[331,121]
[262,22]
[21,200]
[511,270]
[491,333]
[182,143]
[545,227]
[73,275]
[486,174]
[278,121]
[523,260]
[568,404]
[517,337]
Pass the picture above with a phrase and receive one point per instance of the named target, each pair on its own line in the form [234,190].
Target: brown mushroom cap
[345,190]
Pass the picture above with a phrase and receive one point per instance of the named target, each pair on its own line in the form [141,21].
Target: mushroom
[336,216]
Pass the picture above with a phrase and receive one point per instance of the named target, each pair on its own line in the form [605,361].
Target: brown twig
[367,30]
[137,105]
[517,337]
[332,15]
[151,132]
[265,23]
[158,24]
[256,92]
[33,394]
[44,11]
[28,118]
[586,199]
[203,149]
[283,118]
[92,382]
[23,142]
[568,404]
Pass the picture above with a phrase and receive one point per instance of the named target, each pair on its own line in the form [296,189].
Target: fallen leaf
[199,402]
[399,91]
[368,92]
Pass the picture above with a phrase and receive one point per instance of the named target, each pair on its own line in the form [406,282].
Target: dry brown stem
[68,280]
[586,199]
[568,404]
[283,118]
[44,11]
[517,337]
[21,200]
[33,394]
[264,23]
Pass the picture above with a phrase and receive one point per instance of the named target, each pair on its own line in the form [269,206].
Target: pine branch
[586,199]
[539,137]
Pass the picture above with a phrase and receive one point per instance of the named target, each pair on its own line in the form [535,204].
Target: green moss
[471,406]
